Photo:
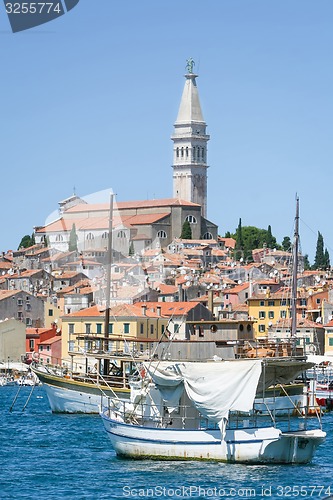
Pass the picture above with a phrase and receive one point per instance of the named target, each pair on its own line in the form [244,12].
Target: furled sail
[215,388]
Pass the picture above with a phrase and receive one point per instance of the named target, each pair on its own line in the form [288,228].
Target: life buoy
[35,357]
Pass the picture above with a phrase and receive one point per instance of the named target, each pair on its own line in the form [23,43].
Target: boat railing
[187,417]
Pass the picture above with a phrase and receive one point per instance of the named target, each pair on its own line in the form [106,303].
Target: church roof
[123,205]
[190,109]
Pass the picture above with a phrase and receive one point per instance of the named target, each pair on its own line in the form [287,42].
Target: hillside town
[161,270]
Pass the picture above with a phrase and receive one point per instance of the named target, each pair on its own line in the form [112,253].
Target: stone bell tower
[190,146]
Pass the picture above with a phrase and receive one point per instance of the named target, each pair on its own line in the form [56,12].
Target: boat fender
[35,357]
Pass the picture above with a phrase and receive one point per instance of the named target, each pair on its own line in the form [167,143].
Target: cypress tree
[327,259]
[186,231]
[319,262]
[72,244]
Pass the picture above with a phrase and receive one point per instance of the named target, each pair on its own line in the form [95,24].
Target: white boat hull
[248,445]
[70,396]
[64,400]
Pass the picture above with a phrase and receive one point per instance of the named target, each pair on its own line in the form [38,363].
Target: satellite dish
[239,282]
[270,323]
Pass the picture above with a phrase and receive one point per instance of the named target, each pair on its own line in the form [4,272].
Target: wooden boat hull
[246,445]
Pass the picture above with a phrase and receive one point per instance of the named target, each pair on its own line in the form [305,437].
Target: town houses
[168,274]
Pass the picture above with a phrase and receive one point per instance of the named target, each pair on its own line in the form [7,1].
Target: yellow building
[268,309]
[51,315]
[128,325]
[329,339]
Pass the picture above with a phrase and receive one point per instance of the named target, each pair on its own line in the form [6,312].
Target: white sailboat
[190,411]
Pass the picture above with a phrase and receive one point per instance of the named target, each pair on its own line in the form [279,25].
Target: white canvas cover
[214,387]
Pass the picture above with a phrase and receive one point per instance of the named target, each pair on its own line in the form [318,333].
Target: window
[90,236]
[126,327]
[283,302]
[71,345]
[20,302]
[162,329]
[262,303]
[330,341]
[59,237]
[283,314]
[40,347]
[47,360]
[271,314]
[175,328]
[70,328]
[262,314]
[121,234]
[105,236]
[161,234]
[303,302]
[191,219]
[99,328]
[19,315]
[110,327]
[207,236]
[318,301]
[88,327]
[151,329]
[31,344]
[50,312]
[141,328]
[262,328]
[48,348]
[271,303]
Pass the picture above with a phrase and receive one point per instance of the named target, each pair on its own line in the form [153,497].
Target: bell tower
[190,146]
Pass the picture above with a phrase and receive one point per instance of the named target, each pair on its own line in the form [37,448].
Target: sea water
[52,456]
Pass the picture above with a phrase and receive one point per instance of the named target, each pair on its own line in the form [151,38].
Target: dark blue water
[48,457]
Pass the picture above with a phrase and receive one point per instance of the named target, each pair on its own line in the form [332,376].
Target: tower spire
[190,145]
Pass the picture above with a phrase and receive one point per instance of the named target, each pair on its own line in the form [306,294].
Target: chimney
[144,309]
[180,293]
[158,310]
[210,301]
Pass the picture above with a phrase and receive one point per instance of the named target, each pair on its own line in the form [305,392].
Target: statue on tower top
[190,65]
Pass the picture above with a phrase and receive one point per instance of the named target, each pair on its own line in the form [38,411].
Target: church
[148,224]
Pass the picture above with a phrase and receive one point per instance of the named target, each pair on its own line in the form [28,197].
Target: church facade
[141,225]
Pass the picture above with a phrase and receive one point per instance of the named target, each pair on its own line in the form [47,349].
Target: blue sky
[89,100]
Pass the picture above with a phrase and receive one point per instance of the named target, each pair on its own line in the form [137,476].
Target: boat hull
[70,396]
[248,445]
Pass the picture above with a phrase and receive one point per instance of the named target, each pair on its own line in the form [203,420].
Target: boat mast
[294,277]
[108,288]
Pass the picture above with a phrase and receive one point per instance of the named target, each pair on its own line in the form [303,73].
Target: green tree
[286,244]
[306,263]
[239,236]
[327,259]
[27,241]
[186,231]
[72,244]
[270,239]
[131,249]
[319,262]
[227,234]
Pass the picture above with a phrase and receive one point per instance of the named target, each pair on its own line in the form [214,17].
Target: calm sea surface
[48,457]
